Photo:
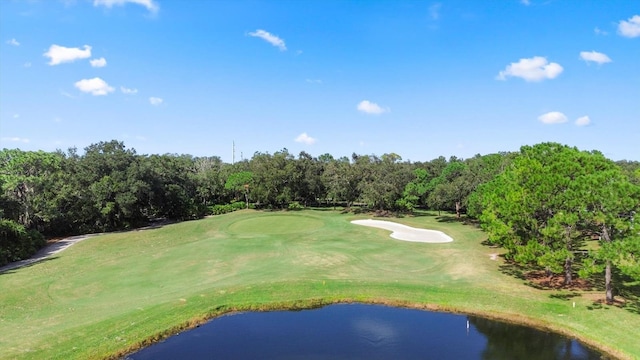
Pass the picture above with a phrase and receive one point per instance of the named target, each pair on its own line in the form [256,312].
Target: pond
[359,331]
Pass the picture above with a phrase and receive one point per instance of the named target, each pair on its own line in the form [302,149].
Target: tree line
[542,203]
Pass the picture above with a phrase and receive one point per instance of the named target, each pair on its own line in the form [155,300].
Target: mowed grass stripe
[115,291]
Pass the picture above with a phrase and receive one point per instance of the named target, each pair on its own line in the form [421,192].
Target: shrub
[295,206]
[16,243]
[220,209]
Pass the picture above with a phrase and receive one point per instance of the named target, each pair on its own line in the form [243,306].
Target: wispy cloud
[95,86]
[306,139]
[525,2]
[98,63]
[583,121]
[27,64]
[599,31]
[151,5]
[536,68]
[155,101]
[128,91]
[60,54]
[66,94]
[434,11]
[16,139]
[595,57]
[369,107]
[314,81]
[13,42]
[630,28]
[270,38]
[554,117]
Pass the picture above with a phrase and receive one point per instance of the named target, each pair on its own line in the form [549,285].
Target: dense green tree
[382,179]
[631,169]
[28,180]
[542,207]
[16,242]
[309,187]
[208,179]
[240,183]
[173,187]
[110,187]
[610,205]
[273,176]
[449,188]
[341,180]
[415,192]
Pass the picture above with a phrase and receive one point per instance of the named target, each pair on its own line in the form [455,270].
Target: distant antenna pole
[233,153]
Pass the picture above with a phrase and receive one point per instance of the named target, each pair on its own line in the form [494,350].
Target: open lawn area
[114,293]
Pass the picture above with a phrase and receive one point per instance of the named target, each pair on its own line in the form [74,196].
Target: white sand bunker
[407,233]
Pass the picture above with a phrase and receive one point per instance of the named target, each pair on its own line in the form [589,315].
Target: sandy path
[407,233]
[46,251]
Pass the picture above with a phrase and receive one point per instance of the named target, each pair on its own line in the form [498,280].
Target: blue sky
[418,78]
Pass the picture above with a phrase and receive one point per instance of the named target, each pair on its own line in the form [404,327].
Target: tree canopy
[553,199]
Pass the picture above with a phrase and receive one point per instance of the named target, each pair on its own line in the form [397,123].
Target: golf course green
[112,294]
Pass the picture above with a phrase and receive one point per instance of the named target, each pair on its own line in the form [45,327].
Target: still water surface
[358,331]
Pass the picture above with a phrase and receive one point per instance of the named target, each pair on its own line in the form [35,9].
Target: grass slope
[116,292]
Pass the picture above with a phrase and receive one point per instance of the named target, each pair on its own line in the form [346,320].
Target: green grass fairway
[119,291]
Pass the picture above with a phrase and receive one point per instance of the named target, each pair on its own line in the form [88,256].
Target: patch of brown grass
[540,279]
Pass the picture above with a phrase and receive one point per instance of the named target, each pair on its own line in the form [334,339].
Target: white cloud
[13,42]
[155,101]
[630,28]
[128,91]
[595,57]
[27,64]
[60,54]
[525,2]
[434,11]
[554,117]
[306,139]
[536,68]
[98,63]
[95,86]
[15,139]
[270,38]
[149,4]
[368,107]
[583,121]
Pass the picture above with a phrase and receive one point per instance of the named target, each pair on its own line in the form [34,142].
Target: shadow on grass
[325,208]
[513,270]
[450,219]
[12,267]
[630,292]
[565,296]
[151,226]
[626,292]
[424,213]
